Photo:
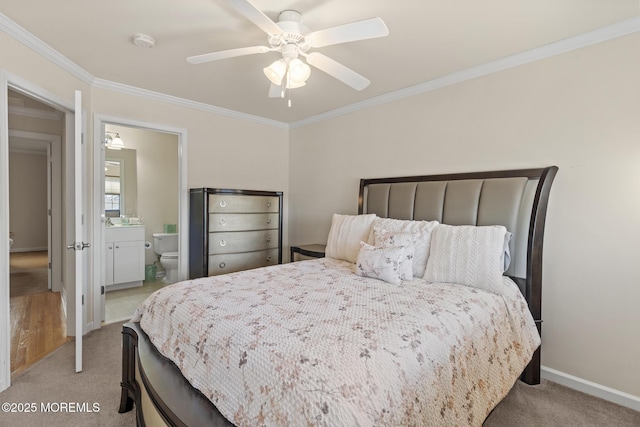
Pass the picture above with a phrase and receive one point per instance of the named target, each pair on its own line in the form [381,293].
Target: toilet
[166,245]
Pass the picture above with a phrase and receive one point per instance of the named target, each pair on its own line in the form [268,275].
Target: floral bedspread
[310,343]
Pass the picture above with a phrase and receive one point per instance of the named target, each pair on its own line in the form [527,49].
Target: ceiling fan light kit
[292,39]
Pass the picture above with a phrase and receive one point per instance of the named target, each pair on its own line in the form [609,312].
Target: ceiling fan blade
[224,54]
[255,15]
[337,70]
[361,30]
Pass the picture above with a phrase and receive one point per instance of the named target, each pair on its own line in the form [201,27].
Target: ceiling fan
[293,40]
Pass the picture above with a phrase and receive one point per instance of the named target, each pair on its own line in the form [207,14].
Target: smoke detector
[143,40]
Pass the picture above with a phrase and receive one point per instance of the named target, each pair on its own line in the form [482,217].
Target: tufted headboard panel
[516,199]
[491,201]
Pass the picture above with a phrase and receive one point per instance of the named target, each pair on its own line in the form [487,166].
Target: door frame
[8,81]
[99,271]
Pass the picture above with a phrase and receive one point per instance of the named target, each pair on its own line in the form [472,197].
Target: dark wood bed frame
[164,397]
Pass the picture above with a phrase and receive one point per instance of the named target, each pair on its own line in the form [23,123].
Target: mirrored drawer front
[240,203]
[242,241]
[229,263]
[240,222]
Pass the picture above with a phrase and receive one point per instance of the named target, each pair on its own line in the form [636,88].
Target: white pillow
[421,230]
[345,235]
[468,255]
[507,252]
[392,264]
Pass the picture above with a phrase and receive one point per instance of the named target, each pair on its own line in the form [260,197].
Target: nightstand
[313,251]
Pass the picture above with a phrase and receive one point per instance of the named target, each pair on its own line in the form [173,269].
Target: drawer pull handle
[223,204]
[268,238]
[223,222]
[268,259]
[268,220]
[268,204]
[223,243]
[223,265]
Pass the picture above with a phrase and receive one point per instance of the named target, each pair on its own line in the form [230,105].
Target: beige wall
[28,200]
[579,111]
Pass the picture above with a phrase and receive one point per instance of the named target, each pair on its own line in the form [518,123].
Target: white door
[76,265]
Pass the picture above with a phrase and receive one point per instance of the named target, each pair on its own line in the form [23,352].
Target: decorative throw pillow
[468,255]
[421,231]
[384,238]
[391,264]
[345,235]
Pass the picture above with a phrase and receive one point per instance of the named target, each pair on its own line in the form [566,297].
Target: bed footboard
[158,390]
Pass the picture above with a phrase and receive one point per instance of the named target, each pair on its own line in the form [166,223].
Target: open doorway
[141,196]
[37,315]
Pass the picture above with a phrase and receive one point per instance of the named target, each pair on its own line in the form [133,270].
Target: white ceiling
[428,39]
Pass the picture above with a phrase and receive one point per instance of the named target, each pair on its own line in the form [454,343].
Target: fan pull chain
[288,86]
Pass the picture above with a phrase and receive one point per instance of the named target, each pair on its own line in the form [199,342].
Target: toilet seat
[170,255]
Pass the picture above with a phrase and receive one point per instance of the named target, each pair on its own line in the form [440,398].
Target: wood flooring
[38,327]
[38,324]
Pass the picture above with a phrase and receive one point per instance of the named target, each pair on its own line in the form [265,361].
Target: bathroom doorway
[142,188]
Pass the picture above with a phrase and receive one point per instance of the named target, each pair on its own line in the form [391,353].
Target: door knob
[78,246]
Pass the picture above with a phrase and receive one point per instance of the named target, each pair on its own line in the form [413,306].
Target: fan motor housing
[290,21]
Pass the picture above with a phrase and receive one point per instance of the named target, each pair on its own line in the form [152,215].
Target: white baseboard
[589,387]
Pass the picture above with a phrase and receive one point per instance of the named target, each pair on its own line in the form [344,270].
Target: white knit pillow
[391,264]
[467,255]
[345,235]
[421,231]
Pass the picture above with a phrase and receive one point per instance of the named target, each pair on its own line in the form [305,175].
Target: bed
[313,343]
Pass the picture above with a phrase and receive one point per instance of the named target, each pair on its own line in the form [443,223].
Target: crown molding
[599,35]
[157,96]
[43,49]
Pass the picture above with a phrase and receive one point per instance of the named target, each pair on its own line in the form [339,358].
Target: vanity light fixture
[113,142]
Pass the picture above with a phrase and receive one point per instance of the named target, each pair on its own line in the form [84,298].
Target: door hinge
[49,266]
[101,290]
[82,299]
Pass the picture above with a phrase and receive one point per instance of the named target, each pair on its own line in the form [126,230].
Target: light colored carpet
[52,380]
[28,273]
[552,405]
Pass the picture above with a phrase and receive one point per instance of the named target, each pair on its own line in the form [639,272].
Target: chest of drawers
[233,230]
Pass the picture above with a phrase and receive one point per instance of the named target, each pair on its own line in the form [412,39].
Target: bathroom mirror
[121,183]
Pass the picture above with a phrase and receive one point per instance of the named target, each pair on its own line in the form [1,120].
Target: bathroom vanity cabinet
[233,230]
[125,257]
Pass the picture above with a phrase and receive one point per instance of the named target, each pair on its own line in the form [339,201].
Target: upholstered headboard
[516,199]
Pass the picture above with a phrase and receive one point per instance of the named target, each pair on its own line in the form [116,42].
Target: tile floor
[120,304]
